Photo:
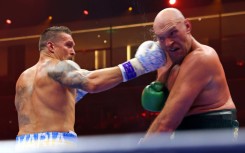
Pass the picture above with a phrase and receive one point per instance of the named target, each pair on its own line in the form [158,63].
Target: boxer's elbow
[92,86]
[99,83]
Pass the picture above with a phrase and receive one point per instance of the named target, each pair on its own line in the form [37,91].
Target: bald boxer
[46,92]
[199,97]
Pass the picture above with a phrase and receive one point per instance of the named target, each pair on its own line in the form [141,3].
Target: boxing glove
[149,57]
[154,96]
[80,94]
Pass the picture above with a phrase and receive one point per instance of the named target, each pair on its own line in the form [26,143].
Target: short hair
[51,33]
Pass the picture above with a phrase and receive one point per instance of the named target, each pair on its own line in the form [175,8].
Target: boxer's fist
[149,57]
[154,96]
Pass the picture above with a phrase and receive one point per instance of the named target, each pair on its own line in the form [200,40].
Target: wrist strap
[131,69]
[128,71]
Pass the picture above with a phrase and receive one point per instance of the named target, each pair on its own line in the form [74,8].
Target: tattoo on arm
[69,73]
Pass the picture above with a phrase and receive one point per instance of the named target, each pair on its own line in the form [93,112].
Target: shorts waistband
[210,120]
[47,136]
[223,114]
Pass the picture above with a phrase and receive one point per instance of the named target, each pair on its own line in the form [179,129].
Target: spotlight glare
[85,12]
[172,2]
[50,17]
[8,21]
[130,9]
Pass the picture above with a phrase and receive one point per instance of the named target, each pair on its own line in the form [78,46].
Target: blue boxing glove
[80,94]
[149,57]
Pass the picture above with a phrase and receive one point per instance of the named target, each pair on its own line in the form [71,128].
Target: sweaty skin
[197,84]
[45,93]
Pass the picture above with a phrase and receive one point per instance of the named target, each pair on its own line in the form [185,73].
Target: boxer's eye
[161,39]
[173,33]
[69,45]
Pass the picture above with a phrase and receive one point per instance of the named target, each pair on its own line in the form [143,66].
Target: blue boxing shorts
[46,139]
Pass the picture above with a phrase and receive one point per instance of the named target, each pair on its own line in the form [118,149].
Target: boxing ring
[184,142]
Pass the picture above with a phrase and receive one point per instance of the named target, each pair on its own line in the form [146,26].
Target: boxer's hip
[210,120]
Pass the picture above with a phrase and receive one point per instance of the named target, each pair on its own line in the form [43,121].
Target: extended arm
[149,57]
[163,72]
[69,73]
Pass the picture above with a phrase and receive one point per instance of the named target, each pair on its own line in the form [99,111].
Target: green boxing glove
[154,96]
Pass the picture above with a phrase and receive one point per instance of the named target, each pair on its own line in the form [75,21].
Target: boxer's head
[58,41]
[51,33]
[173,32]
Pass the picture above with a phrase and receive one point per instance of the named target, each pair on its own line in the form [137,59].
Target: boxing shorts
[210,120]
[46,139]
[221,119]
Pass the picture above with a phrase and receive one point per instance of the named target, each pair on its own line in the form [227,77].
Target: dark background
[117,110]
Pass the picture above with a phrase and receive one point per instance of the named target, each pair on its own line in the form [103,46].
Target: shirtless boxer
[199,97]
[46,92]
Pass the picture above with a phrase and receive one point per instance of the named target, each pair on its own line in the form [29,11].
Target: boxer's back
[42,103]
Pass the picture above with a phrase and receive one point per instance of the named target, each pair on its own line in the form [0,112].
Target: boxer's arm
[189,83]
[149,57]
[69,73]
[163,71]
[155,94]
[102,79]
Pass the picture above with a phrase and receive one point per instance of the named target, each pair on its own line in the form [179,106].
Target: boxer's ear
[50,46]
[188,25]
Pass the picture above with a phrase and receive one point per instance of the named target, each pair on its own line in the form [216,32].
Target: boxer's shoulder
[66,65]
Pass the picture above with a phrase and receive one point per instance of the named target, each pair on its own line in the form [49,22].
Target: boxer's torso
[215,94]
[43,104]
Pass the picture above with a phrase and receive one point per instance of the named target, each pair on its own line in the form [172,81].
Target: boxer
[46,93]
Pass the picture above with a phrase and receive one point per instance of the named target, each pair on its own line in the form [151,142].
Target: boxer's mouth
[173,49]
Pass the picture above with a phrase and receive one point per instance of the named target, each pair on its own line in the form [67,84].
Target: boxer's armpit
[69,73]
